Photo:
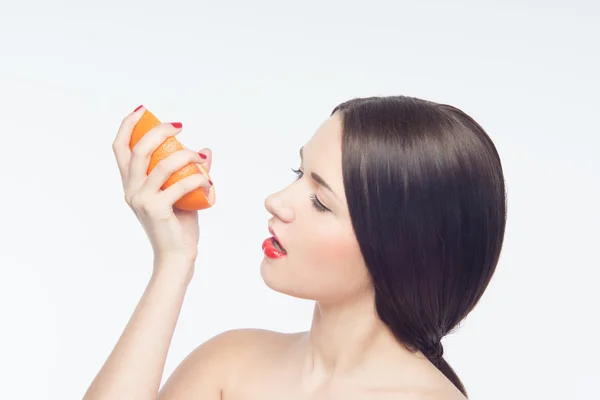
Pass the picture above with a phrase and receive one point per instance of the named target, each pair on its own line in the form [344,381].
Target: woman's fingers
[180,188]
[142,151]
[121,143]
[143,190]
[171,164]
[208,160]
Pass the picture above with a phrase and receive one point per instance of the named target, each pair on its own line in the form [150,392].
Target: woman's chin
[284,283]
[273,277]
[278,280]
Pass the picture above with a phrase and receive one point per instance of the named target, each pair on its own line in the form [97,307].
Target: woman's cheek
[340,252]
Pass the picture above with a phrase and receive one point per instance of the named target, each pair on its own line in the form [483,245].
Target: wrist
[176,270]
[181,260]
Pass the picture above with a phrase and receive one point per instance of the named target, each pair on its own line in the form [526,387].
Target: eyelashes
[317,204]
[313,197]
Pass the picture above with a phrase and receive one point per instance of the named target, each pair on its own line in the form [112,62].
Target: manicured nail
[138,107]
[202,155]
[209,181]
[177,124]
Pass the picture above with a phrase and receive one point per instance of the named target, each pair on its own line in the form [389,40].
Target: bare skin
[258,364]
[348,352]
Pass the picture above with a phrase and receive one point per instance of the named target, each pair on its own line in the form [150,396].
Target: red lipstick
[272,246]
[270,249]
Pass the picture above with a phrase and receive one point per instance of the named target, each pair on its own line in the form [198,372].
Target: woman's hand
[173,233]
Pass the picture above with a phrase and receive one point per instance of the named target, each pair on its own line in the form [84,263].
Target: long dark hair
[425,191]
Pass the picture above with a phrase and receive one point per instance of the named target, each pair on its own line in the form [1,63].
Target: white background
[253,81]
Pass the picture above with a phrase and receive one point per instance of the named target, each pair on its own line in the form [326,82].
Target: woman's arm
[135,366]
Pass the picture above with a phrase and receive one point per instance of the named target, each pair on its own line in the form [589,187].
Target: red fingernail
[209,181]
[202,155]
[138,108]
[177,124]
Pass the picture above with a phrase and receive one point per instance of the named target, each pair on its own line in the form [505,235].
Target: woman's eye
[298,173]
[313,197]
[317,203]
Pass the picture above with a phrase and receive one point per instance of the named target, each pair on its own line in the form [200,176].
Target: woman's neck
[345,338]
[349,344]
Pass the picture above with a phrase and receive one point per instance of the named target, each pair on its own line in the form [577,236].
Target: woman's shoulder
[256,334]
[236,346]
[214,364]
[246,343]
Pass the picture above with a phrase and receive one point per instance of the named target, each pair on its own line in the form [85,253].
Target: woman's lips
[272,246]
[271,250]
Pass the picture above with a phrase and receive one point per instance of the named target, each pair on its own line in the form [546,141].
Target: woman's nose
[276,206]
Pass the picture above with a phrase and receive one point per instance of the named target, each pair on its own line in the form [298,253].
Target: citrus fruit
[199,198]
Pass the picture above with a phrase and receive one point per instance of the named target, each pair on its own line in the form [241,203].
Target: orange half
[197,199]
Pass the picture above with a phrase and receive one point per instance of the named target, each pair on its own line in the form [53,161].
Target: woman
[394,227]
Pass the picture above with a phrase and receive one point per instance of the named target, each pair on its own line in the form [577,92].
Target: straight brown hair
[426,195]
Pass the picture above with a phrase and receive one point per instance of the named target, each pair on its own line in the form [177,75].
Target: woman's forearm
[135,366]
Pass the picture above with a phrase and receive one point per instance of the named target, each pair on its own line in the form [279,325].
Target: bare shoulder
[441,394]
[215,364]
[427,386]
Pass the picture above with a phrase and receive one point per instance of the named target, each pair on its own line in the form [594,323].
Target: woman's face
[323,260]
